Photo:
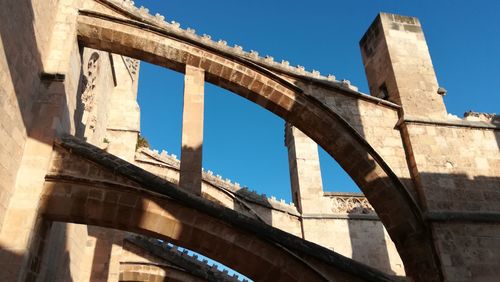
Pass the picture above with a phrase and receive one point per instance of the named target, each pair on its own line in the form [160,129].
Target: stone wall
[49,85]
[68,256]
[458,168]
[39,66]
[374,119]
[458,165]
[87,252]
[25,33]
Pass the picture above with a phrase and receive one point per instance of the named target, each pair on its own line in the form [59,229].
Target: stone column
[398,66]
[305,173]
[192,130]
[124,120]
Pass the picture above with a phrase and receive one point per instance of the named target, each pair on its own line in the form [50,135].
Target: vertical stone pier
[305,173]
[192,129]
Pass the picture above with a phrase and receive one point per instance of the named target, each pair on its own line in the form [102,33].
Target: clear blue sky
[244,142]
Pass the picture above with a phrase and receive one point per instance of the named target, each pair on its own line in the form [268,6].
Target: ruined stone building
[79,201]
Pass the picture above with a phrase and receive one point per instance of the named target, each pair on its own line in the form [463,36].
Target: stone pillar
[124,121]
[192,130]
[305,173]
[398,66]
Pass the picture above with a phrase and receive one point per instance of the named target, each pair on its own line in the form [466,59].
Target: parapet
[235,50]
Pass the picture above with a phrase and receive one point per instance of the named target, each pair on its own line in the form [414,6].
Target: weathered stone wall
[372,118]
[25,32]
[40,65]
[43,82]
[103,105]
[67,254]
[98,83]
[458,168]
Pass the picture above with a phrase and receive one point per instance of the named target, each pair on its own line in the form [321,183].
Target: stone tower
[399,67]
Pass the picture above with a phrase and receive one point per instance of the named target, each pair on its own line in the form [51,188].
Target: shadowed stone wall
[25,34]
[51,85]
[458,168]
[454,163]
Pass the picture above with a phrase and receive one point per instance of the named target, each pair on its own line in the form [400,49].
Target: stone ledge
[463,216]
[342,216]
[343,194]
[444,122]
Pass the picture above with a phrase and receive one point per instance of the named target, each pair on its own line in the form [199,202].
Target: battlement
[216,180]
[340,203]
[221,45]
[184,259]
[492,118]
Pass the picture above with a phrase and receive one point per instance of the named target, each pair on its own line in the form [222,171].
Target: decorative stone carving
[254,54]
[487,117]
[144,11]
[351,205]
[93,66]
[132,65]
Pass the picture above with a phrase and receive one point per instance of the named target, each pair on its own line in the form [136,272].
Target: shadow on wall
[461,193]
[101,258]
[56,258]
[190,166]
[368,244]
[256,211]
[32,87]
[9,261]
[40,97]
[21,52]
[373,251]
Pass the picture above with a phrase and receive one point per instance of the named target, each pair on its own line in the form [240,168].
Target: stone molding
[344,203]
[449,122]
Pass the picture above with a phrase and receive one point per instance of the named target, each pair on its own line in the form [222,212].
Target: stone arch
[395,206]
[88,186]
